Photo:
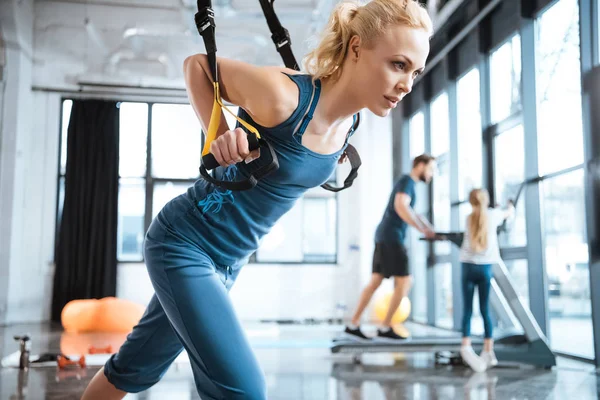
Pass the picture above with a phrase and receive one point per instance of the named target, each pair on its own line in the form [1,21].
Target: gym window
[160,149]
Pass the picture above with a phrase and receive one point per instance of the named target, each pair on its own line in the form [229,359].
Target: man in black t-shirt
[390,258]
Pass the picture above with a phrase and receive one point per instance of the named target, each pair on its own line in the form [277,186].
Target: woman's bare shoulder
[266,93]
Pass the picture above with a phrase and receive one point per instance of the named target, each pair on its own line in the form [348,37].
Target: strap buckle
[205,23]
[281,37]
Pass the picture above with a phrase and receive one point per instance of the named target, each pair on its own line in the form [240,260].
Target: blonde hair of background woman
[478,220]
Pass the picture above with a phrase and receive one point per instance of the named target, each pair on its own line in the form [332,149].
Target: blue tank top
[232,223]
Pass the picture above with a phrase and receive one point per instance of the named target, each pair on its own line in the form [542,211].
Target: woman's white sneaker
[489,357]
[472,359]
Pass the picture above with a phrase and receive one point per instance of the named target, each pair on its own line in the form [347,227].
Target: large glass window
[418,265]
[319,241]
[66,117]
[558,81]
[176,138]
[305,234]
[470,151]
[598,30]
[67,105]
[417,135]
[133,135]
[567,265]
[441,203]
[505,80]
[519,274]
[509,167]
[440,125]
[443,289]
[418,248]
[440,148]
[130,228]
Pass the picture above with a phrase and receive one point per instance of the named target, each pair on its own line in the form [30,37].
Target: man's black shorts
[390,259]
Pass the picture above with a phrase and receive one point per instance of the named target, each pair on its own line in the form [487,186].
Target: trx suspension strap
[283,44]
[355,163]
[279,35]
[205,22]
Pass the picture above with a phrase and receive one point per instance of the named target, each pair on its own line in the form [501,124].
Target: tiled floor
[298,365]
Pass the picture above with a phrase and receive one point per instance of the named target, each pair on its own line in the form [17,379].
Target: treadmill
[529,346]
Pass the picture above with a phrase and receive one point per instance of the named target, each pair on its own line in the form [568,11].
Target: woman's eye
[399,64]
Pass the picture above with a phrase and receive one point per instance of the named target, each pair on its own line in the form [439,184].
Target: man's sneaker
[389,334]
[355,334]
[472,359]
[489,357]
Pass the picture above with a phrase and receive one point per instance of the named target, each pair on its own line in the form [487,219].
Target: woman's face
[385,71]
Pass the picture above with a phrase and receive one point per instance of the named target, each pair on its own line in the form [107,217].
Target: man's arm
[408,215]
[424,221]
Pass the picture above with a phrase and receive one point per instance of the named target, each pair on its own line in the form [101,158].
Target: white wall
[34,209]
[28,162]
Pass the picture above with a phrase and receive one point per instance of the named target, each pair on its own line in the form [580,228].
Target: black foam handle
[209,161]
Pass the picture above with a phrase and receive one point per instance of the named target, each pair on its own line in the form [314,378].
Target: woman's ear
[354,47]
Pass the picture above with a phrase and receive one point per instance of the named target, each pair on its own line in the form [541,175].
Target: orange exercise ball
[383,304]
[108,314]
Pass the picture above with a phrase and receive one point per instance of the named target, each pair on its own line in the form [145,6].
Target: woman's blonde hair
[478,220]
[369,22]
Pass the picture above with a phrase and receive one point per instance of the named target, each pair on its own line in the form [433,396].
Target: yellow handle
[215,120]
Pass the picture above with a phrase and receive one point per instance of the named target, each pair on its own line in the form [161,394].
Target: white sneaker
[489,357]
[472,359]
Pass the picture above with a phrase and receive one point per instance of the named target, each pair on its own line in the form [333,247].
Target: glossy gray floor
[298,365]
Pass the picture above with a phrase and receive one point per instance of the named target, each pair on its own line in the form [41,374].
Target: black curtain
[86,252]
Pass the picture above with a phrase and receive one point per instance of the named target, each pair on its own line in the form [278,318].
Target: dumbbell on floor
[64,362]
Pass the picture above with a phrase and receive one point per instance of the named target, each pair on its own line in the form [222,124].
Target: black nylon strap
[205,23]
[355,163]
[279,35]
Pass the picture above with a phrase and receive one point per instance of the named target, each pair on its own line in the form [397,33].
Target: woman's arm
[265,93]
[504,213]
[509,211]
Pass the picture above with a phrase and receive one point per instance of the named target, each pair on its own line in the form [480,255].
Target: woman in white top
[479,251]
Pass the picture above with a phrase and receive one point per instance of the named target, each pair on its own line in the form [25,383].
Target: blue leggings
[190,309]
[480,275]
